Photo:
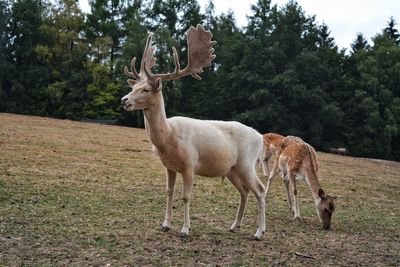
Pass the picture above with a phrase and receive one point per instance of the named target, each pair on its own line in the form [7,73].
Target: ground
[79,194]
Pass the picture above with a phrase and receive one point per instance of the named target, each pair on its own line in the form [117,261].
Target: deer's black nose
[123,100]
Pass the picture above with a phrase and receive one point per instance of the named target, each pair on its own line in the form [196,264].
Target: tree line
[282,72]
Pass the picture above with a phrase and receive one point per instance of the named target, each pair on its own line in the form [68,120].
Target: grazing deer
[297,159]
[338,151]
[271,141]
[190,146]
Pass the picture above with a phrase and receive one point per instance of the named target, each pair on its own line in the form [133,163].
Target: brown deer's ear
[131,82]
[321,193]
[157,84]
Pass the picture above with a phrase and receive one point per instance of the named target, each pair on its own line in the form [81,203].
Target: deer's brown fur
[271,141]
[297,159]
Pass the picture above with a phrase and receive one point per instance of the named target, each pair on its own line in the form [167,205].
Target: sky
[345,18]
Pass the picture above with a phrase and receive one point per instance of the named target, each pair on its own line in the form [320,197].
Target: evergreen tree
[104,31]
[210,15]
[391,32]
[65,55]
[375,82]
[136,34]
[360,43]
[5,66]
[25,79]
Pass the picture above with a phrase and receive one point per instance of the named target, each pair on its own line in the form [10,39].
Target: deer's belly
[214,164]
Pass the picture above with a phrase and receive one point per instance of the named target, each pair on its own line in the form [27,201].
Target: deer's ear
[132,82]
[321,193]
[157,85]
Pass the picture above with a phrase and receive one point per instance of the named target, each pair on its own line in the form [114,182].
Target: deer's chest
[172,158]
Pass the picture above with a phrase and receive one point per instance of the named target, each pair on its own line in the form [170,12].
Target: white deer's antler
[200,55]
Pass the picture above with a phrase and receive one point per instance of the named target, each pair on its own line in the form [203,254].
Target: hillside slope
[83,194]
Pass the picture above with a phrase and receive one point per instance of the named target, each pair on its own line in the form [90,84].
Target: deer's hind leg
[292,180]
[249,178]
[244,192]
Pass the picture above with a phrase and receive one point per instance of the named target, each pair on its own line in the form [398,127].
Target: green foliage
[103,97]
[375,84]
[5,66]
[281,73]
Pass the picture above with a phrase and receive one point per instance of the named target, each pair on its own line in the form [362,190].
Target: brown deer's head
[325,208]
[145,85]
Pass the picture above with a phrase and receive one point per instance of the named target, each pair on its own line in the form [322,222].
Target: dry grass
[79,194]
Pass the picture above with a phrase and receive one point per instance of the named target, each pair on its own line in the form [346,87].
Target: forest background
[282,72]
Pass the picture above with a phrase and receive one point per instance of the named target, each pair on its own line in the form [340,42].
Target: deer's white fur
[207,148]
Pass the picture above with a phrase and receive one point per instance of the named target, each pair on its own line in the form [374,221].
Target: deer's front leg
[275,170]
[187,180]
[264,164]
[171,178]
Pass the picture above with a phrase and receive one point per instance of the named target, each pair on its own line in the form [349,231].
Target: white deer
[190,146]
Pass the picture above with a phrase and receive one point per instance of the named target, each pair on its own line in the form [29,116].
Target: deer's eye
[145,90]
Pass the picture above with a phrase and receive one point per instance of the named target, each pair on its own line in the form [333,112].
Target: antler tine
[133,73]
[176,61]
[149,74]
[196,76]
[148,41]
[148,58]
[133,67]
[148,61]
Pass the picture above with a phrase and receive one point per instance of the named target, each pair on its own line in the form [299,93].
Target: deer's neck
[156,123]
[314,185]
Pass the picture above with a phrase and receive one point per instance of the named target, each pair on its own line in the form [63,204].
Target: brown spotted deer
[271,141]
[297,159]
[195,147]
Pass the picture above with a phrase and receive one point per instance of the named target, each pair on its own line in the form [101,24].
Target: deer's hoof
[234,229]
[183,235]
[165,228]
[256,238]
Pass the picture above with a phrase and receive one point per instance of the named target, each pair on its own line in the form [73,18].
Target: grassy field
[79,194]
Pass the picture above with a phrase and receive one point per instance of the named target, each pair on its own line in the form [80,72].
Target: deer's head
[325,208]
[146,85]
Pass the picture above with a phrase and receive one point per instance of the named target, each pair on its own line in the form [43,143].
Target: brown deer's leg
[275,170]
[287,189]
[292,180]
